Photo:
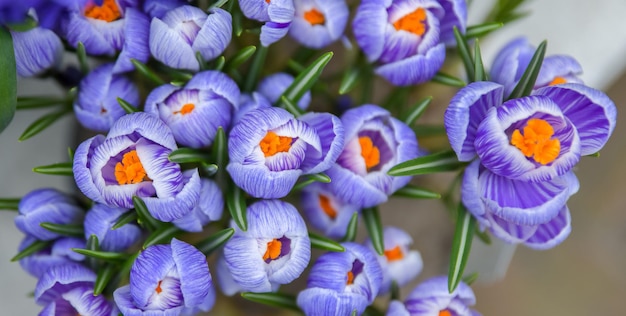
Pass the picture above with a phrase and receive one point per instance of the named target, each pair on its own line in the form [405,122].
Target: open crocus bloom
[325,211]
[318,23]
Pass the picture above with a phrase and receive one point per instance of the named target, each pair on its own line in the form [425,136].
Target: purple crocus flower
[277,15]
[269,149]
[510,63]
[431,297]
[184,31]
[62,279]
[158,8]
[196,111]
[99,222]
[209,208]
[399,263]
[59,253]
[46,206]
[273,251]
[110,27]
[273,86]
[374,142]
[341,282]
[325,211]
[80,301]
[167,280]
[96,105]
[36,50]
[132,160]
[249,102]
[407,37]
[318,23]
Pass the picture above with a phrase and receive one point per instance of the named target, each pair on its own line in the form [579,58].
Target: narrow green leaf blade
[305,80]
[483,236]
[481,30]
[418,110]
[162,235]
[147,72]
[66,230]
[349,80]
[124,219]
[59,169]
[102,280]
[9,204]
[371,216]
[470,278]
[255,69]
[219,4]
[414,192]
[41,124]
[273,299]
[128,108]
[201,62]
[31,249]
[236,203]
[290,106]
[220,149]
[145,218]
[189,155]
[479,68]
[439,162]
[324,243]
[594,155]
[526,84]
[352,226]
[28,103]
[8,84]
[81,53]
[461,246]
[448,80]
[219,63]
[102,255]
[239,58]
[215,241]
[320,177]
[464,53]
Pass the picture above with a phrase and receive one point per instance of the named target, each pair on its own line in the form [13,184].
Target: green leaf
[102,280]
[372,311]
[320,177]
[255,69]
[461,246]
[215,241]
[295,66]
[64,229]
[210,169]
[102,255]
[128,108]
[145,218]
[439,162]
[239,58]
[201,62]
[352,226]
[8,84]
[236,203]
[349,80]
[162,235]
[414,192]
[418,110]
[189,155]
[218,4]
[506,11]
[448,80]
[147,72]
[28,103]
[464,53]
[481,30]
[41,124]
[371,216]
[305,80]
[525,85]
[70,153]
[220,149]
[59,169]
[35,247]
[82,58]
[124,219]
[483,236]
[93,244]
[324,243]
[290,106]
[27,24]
[273,299]
[594,155]
[219,63]
[471,278]
[395,290]
[9,204]
[479,68]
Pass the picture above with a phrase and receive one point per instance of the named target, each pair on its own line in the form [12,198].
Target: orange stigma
[108,11]
[273,250]
[394,254]
[536,141]
[445,312]
[414,22]
[314,17]
[369,152]
[350,278]
[158,289]
[129,170]
[186,109]
[557,80]
[272,144]
[327,207]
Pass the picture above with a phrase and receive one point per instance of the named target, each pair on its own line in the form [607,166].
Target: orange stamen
[130,170]
[369,152]
[557,80]
[314,17]
[394,254]
[108,11]
[158,288]
[186,109]
[350,278]
[445,312]
[273,250]
[272,144]
[414,22]
[536,141]
[327,207]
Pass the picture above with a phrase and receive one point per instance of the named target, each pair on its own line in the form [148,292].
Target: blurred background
[583,276]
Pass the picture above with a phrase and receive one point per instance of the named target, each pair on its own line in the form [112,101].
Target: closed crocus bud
[273,86]
[80,301]
[96,105]
[36,50]
[374,142]
[433,298]
[46,206]
[99,222]
[185,31]
[132,160]
[209,208]
[195,112]
[59,253]
[325,211]
[318,23]
[273,251]
[277,15]
[169,279]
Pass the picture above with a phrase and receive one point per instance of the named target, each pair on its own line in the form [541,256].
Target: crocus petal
[271,32]
[335,15]
[158,8]
[124,301]
[510,63]
[255,9]
[82,174]
[351,188]
[333,225]
[273,86]
[163,40]
[150,267]
[46,206]
[79,29]
[320,301]
[228,286]
[330,130]
[260,182]
[149,126]
[86,303]
[437,288]
[369,25]
[36,50]
[215,34]
[195,280]
[136,38]
[173,207]
[552,233]
[455,15]
[415,69]
[210,207]
[60,253]
[562,66]
[396,308]
[218,83]
[61,279]
[99,221]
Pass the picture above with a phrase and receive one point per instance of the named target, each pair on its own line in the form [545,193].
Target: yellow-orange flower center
[445,312]
[314,17]
[158,289]
[369,152]
[537,141]
[394,254]
[350,278]
[557,80]
[130,170]
[327,207]
[186,109]
[414,22]
[272,144]
[108,11]
[273,250]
